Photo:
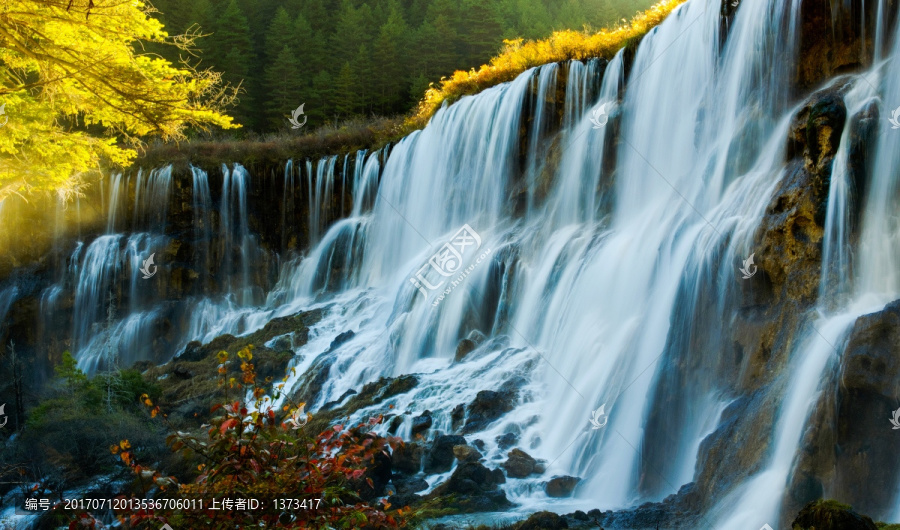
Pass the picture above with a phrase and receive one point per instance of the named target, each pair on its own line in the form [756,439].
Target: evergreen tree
[232,52]
[283,87]
[344,97]
[388,57]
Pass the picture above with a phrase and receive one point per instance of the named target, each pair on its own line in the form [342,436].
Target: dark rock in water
[519,464]
[408,458]
[543,521]
[404,499]
[440,457]
[421,423]
[457,416]
[465,347]
[332,404]
[313,380]
[505,441]
[487,407]
[830,515]
[472,488]
[561,486]
[409,485]
[476,337]
[466,453]
[478,444]
[340,340]
[395,424]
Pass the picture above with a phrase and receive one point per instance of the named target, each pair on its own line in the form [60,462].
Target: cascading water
[587,266]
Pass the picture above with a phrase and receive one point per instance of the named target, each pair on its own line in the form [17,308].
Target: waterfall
[596,268]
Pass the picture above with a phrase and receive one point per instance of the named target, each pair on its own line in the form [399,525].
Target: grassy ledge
[520,55]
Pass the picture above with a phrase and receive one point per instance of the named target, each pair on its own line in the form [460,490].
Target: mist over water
[601,258]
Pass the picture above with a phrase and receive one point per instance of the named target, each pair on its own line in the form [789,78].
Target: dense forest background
[344,58]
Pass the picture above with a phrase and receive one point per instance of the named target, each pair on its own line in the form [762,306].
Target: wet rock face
[850,451]
[835,38]
[772,307]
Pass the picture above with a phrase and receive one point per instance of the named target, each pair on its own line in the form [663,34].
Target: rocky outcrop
[830,515]
[849,453]
[488,406]
[472,488]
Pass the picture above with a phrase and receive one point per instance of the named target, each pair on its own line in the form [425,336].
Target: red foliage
[298,480]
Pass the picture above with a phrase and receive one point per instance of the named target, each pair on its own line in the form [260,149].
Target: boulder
[542,521]
[561,486]
[487,407]
[421,423]
[505,441]
[519,464]
[407,458]
[466,453]
[473,488]
[440,456]
[465,347]
[406,485]
[830,515]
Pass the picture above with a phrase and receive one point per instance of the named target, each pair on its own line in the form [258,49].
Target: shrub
[246,452]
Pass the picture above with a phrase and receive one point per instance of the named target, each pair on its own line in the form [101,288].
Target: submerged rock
[561,486]
[421,423]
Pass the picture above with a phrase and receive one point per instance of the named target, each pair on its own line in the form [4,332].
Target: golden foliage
[520,55]
[71,70]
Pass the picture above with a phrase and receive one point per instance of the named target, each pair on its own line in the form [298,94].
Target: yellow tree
[78,89]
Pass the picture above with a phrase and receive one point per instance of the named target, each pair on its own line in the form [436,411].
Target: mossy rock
[831,515]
